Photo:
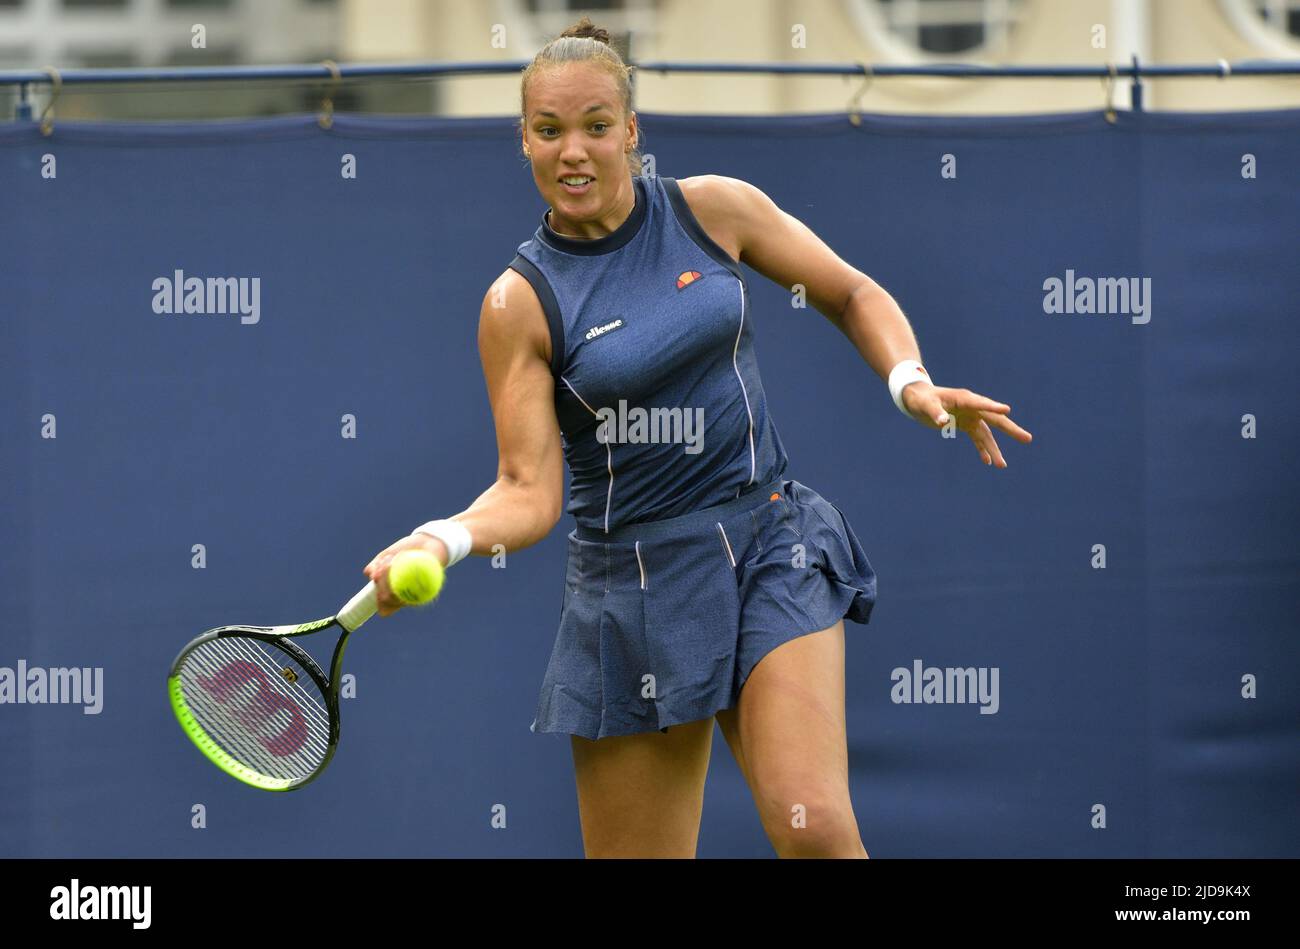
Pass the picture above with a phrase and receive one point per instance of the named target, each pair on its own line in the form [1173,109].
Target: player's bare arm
[527,497]
[786,251]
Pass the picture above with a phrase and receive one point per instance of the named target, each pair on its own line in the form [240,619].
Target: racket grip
[360,608]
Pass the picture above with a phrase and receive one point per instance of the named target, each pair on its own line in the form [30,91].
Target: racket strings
[259,726]
[231,731]
[271,662]
[238,694]
[236,742]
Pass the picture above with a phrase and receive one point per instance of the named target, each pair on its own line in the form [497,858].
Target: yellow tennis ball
[415,577]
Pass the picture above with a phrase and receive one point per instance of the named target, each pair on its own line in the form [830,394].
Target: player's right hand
[377,569]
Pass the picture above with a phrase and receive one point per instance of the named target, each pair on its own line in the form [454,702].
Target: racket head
[256,705]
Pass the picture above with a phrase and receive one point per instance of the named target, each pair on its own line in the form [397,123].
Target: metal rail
[24,79]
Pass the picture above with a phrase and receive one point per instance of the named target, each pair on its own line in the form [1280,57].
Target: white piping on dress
[726,543]
[743,390]
[609,453]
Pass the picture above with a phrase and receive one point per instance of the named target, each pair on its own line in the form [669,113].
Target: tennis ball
[415,577]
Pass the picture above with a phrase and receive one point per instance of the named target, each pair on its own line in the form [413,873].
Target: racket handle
[360,608]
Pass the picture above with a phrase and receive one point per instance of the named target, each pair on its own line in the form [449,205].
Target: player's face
[575,127]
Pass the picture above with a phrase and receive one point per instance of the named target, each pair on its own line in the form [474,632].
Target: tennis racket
[257,705]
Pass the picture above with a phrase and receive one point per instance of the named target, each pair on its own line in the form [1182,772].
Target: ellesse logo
[602,330]
[687,277]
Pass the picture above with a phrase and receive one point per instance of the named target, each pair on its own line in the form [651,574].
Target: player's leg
[729,722]
[642,795]
[789,738]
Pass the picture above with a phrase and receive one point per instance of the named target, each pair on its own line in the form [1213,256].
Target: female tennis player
[701,583]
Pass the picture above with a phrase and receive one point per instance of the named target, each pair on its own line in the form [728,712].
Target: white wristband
[452,533]
[905,373]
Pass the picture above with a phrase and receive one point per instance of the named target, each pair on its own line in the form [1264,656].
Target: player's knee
[814,826]
[829,842]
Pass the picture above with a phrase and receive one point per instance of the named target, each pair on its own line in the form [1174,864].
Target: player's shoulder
[510,286]
[730,210]
[512,312]
[718,193]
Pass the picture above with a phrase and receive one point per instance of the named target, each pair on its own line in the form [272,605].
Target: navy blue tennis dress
[693,556]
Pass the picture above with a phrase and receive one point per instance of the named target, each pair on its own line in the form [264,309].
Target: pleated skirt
[662,622]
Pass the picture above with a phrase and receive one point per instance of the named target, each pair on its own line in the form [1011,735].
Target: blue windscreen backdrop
[1126,592]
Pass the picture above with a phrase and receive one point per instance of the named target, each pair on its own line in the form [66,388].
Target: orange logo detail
[687,277]
[775,497]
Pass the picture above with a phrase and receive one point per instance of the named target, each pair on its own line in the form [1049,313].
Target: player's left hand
[931,405]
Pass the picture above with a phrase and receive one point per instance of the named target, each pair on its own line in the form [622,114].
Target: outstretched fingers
[989,412]
[1005,424]
[983,438]
[965,400]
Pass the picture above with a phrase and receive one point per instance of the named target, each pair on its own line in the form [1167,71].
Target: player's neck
[604,228]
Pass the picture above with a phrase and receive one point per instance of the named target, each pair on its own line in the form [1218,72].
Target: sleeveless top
[657,390]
